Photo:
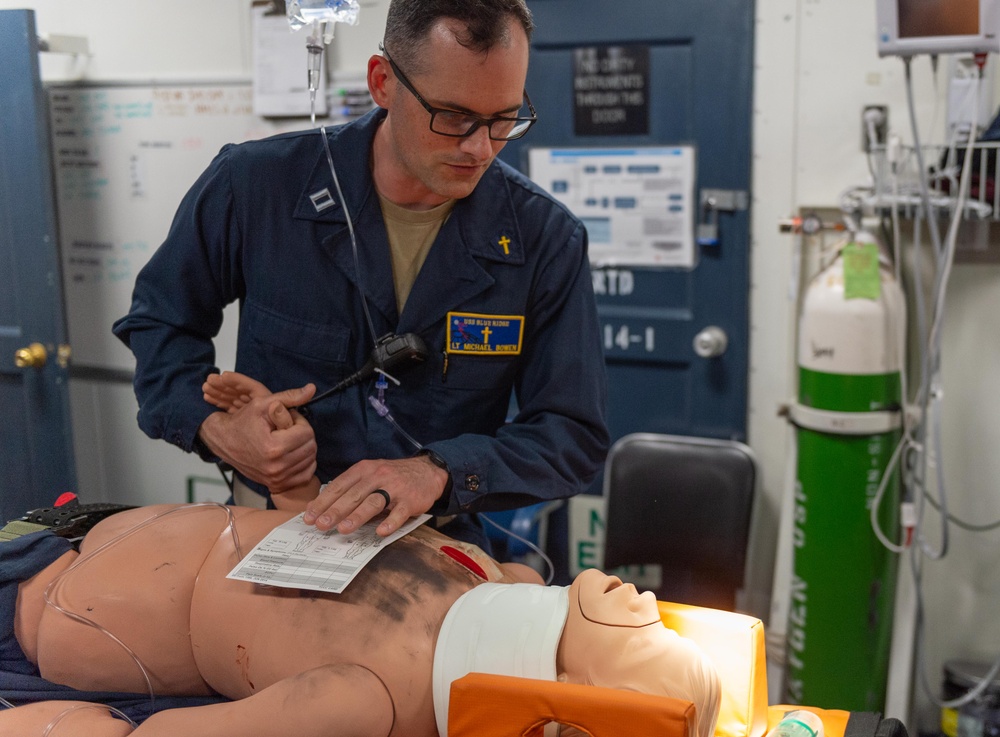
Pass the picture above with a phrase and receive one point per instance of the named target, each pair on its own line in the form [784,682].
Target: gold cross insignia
[505,242]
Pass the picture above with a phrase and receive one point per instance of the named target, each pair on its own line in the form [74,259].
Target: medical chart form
[299,556]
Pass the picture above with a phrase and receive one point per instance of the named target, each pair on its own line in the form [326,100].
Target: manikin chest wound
[503,629]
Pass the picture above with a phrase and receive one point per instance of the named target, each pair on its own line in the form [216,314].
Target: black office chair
[682,503]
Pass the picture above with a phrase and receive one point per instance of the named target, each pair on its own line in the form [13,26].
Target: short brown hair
[486,24]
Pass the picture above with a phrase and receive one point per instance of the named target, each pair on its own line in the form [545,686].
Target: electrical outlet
[874,124]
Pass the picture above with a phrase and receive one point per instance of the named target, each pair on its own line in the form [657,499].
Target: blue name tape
[469,332]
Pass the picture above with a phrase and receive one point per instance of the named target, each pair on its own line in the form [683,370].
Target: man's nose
[478,143]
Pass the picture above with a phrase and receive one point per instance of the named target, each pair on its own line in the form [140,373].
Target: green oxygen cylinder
[848,419]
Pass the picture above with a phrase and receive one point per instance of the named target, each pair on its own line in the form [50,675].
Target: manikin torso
[150,589]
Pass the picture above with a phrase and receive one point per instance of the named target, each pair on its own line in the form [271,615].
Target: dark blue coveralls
[258,227]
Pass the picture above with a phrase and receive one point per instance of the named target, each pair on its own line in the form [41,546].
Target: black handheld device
[392,353]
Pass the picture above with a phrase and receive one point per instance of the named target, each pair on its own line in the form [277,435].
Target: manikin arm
[71,717]
[331,701]
[233,391]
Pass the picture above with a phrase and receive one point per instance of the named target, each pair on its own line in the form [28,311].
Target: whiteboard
[124,156]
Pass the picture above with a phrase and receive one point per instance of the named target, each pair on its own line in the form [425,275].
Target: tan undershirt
[411,235]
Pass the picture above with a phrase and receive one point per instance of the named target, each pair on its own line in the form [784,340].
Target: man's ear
[378,80]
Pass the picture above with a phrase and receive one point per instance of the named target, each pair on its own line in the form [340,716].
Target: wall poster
[638,203]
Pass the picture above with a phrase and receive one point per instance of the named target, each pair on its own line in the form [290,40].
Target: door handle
[711,342]
[33,356]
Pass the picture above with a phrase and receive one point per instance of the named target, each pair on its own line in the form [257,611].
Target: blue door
[675,337]
[36,449]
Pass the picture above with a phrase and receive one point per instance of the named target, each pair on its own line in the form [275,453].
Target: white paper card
[298,556]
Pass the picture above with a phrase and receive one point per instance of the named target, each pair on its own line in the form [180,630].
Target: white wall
[816,67]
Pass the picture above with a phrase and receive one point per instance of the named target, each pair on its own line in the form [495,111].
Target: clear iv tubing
[350,230]
[377,404]
[80,707]
[50,591]
[314,63]
[548,561]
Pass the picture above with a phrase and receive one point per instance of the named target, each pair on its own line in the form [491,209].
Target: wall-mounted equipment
[912,27]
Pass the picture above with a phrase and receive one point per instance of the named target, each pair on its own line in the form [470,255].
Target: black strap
[862,724]
[71,520]
[871,724]
[891,727]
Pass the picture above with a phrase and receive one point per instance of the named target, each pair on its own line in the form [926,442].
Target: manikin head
[597,631]
[614,637]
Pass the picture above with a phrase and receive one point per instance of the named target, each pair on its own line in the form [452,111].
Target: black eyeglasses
[459,125]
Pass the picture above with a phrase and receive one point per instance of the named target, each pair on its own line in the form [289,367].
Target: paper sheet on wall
[280,80]
[637,203]
[299,556]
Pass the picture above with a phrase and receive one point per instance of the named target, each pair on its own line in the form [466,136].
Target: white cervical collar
[499,628]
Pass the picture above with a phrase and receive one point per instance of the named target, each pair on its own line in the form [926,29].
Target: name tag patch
[469,332]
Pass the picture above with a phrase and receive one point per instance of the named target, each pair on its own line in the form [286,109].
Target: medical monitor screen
[911,27]
[919,18]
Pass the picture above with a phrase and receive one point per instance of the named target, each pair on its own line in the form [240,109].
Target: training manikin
[374,660]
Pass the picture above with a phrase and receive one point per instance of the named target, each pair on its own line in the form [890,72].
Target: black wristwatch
[204,452]
[440,463]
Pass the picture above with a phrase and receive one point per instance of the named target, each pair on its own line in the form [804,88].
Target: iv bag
[303,12]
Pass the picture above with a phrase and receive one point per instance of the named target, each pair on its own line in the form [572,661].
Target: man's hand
[259,433]
[347,502]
